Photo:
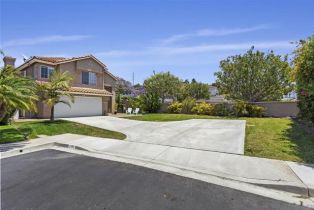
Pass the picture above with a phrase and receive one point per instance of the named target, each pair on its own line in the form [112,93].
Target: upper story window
[88,78]
[45,71]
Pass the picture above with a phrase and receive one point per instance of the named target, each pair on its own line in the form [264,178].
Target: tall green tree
[16,93]
[304,75]
[254,76]
[163,85]
[150,102]
[197,90]
[55,90]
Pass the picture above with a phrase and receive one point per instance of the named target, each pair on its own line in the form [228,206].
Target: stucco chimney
[9,61]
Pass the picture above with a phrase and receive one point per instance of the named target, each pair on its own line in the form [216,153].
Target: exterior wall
[107,105]
[110,82]
[76,68]
[213,90]
[164,107]
[279,108]
[43,110]
[273,108]
[29,71]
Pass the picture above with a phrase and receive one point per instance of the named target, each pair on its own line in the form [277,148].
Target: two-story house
[92,85]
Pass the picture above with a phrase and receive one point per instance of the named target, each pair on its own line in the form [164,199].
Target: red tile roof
[89,91]
[84,91]
[60,59]
[50,59]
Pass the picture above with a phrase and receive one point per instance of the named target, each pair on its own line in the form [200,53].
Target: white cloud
[267,45]
[116,53]
[44,39]
[224,47]
[211,32]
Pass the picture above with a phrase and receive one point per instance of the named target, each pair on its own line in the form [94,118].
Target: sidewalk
[281,175]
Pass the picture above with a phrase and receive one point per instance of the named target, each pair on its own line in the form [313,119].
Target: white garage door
[82,106]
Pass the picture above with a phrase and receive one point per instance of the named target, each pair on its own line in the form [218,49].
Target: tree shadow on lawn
[14,137]
[303,140]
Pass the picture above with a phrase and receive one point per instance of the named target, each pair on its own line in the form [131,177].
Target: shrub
[223,109]
[175,107]
[187,105]
[239,109]
[203,109]
[244,109]
[134,102]
[304,75]
[150,102]
[255,111]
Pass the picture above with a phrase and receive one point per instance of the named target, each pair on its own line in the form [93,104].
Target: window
[88,78]
[45,71]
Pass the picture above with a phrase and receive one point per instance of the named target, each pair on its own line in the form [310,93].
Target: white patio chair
[136,111]
[129,111]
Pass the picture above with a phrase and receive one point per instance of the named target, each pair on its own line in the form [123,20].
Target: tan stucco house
[92,85]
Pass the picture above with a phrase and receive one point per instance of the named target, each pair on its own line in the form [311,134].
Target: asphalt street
[51,179]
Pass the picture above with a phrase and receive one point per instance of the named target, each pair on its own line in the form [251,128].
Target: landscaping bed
[18,131]
[275,138]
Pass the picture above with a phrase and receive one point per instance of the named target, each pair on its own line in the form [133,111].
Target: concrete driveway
[212,135]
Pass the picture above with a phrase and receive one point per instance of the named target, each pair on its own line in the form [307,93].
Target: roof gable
[60,60]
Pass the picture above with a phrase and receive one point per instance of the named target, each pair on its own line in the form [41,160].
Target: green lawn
[276,138]
[13,133]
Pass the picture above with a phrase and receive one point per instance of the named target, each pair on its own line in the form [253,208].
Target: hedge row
[238,109]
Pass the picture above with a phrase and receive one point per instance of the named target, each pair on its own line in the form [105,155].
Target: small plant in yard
[255,111]
[223,109]
[244,109]
[175,107]
[187,105]
[203,109]
[24,132]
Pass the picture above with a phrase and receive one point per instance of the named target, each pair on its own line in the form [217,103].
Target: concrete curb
[289,197]
[305,172]
[305,189]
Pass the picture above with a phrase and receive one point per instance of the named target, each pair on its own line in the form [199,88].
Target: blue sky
[187,38]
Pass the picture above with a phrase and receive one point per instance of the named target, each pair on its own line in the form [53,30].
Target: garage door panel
[82,106]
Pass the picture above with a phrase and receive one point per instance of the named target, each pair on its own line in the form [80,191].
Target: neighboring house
[92,85]
[213,90]
[291,96]
[214,95]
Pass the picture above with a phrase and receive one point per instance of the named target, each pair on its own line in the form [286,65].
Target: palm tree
[16,92]
[53,91]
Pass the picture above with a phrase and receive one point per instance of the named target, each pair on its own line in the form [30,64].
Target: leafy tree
[16,93]
[163,84]
[150,102]
[254,76]
[53,91]
[304,75]
[197,90]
